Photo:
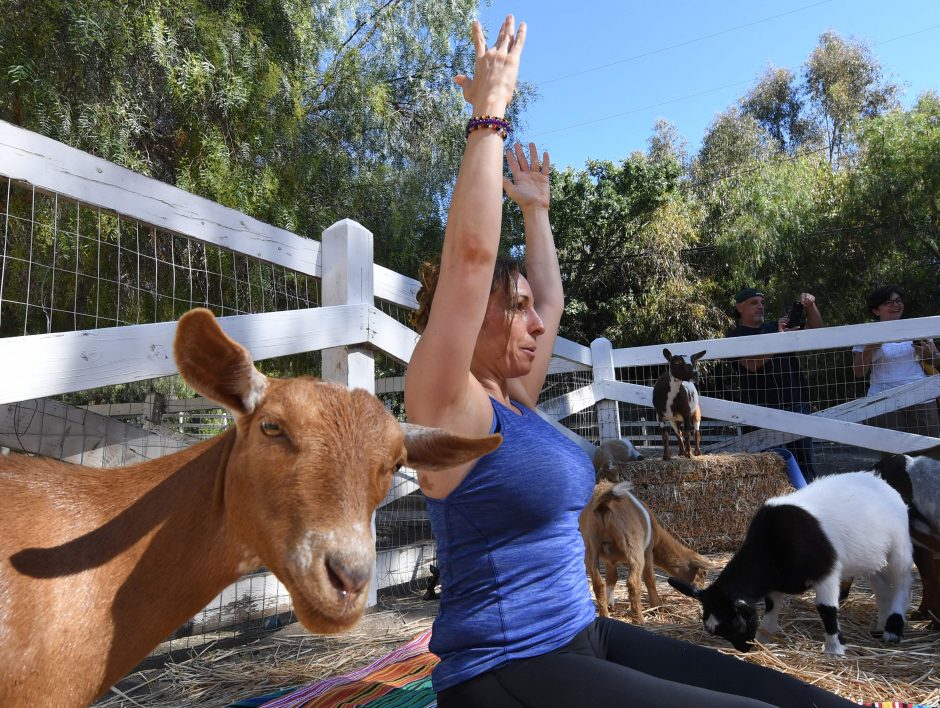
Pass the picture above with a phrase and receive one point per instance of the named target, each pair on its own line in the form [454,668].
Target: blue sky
[606,70]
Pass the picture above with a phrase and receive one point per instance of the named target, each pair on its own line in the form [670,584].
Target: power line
[683,44]
[905,36]
[691,95]
[642,108]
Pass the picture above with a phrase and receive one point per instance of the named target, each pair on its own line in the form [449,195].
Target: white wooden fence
[349,328]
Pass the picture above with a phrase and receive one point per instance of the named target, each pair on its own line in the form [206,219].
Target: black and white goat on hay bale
[675,399]
[838,527]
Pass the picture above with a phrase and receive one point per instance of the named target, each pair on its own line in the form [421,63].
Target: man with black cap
[775,380]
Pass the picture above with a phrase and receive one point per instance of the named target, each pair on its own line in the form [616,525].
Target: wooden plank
[53,429]
[56,167]
[853,412]
[577,354]
[391,336]
[804,340]
[396,288]
[802,425]
[569,404]
[75,361]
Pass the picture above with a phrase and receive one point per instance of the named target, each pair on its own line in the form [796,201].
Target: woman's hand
[494,80]
[529,186]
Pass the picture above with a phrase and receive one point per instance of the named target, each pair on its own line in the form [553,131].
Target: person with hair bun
[895,364]
[517,625]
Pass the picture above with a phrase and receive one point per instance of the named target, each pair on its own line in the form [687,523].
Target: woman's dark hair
[881,295]
[505,278]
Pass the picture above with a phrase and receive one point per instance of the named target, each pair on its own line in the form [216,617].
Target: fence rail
[340,307]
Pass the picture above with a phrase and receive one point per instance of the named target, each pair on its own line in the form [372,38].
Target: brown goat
[675,399]
[98,566]
[621,530]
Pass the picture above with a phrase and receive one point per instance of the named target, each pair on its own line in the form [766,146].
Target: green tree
[844,82]
[623,232]
[776,103]
[298,113]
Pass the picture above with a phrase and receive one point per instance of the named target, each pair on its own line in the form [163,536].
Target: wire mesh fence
[70,266]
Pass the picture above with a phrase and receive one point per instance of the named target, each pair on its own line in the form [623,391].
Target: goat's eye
[271,428]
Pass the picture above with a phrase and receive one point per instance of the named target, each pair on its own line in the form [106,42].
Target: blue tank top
[510,553]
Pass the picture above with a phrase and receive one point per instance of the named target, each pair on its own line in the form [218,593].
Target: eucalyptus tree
[845,82]
[778,105]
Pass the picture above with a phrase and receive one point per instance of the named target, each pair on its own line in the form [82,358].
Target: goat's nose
[347,575]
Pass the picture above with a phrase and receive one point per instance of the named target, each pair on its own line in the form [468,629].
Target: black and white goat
[917,479]
[675,399]
[840,526]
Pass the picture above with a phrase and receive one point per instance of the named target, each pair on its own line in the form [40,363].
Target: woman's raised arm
[439,389]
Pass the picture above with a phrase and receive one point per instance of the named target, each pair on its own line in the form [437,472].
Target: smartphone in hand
[797,316]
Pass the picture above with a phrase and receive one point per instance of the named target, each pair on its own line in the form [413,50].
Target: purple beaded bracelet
[499,125]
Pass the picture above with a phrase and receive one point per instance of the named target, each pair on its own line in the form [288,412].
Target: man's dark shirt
[777,384]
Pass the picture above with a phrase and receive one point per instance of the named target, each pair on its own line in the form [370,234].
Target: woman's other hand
[529,186]
[494,80]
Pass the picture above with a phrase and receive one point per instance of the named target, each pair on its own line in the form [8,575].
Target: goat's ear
[437,449]
[700,561]
[667,355]
[685,588]
[696,357]
[215,365]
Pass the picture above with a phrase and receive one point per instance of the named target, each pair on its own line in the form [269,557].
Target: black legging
[615,663]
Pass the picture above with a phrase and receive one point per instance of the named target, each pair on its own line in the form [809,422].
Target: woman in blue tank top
[517,624]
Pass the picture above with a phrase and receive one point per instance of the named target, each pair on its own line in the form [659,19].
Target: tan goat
[610,455]
[620,530]
[97,566]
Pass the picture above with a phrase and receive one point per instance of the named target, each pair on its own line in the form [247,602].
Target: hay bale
[708,501]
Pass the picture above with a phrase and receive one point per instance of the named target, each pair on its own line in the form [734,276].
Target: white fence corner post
[346,255]
[608,412]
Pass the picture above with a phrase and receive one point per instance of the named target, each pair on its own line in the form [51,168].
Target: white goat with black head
[675,399]
[839,527]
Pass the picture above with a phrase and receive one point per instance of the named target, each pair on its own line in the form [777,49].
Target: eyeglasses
[893,302]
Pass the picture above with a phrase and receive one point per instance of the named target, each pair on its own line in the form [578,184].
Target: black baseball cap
[747,294]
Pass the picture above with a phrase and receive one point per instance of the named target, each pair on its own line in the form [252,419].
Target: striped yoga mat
[401,679]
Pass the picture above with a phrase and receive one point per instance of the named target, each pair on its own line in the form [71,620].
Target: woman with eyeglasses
[895,364]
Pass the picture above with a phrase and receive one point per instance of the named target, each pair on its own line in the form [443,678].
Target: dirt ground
[291,657]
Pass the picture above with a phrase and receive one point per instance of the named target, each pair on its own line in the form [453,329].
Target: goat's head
[309,464]
[693,569]
[681,366]
[734,619]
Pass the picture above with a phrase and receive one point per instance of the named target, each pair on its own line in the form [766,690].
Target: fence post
[346,257]
[608,412]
